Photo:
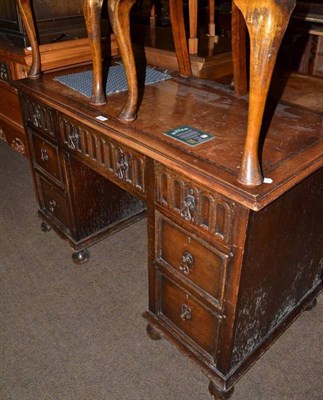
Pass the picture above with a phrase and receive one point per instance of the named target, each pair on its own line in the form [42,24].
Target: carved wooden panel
[122,163]
[194,204]
[4,72]
[39,116]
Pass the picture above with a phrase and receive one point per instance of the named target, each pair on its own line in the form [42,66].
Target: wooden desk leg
[92,16]
[119,12]
[267,21]
[193,40]
[211,27]
[238,44]
[27,18]
[179,36]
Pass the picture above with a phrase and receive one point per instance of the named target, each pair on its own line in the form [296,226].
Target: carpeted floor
[76,333]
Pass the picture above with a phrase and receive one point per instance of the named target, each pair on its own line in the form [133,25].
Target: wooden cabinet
[81,205]
[55,20]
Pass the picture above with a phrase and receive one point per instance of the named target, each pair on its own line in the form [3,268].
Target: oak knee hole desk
[229,267]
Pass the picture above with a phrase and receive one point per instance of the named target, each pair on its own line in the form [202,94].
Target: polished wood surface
[243,264]
[266,21]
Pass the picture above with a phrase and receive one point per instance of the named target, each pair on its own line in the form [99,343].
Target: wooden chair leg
[193,40]
[119,12]
[267,21]
[152,23]
[238,44]
[92,15]
[211,27]
[27,18]
[179,36]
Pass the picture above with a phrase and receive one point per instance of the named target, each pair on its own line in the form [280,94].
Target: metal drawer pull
[186,313]
[122,168]
[44,154]
[188,208]
[52,205]
[187,263]
[73,140]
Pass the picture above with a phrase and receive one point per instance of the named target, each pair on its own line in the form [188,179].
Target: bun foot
[153,333]
[311,305]
[218,394]
[45,227]
[81,256]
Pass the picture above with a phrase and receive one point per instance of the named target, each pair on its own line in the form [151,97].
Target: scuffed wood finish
[179,36]
[267,21]
[119,12]
[92,16]
[27,17]
[238,44]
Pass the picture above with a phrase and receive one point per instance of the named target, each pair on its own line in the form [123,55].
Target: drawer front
[46,156]
[39,116]
[120,163]
[53,201]
[194,259]
[9,104]
[195,205]
[14,135]
[189,316]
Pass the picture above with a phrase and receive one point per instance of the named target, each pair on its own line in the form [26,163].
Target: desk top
[291,143]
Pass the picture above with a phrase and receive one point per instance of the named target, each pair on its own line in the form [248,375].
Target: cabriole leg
[119,13]
[92,16]
[267,21]
[27,18]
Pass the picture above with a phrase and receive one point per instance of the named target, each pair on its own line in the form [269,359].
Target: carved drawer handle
[73,140]
[187,263]
[122,168]
[188,208]
[52,205]
[186,313]
[36,118]
[44,154]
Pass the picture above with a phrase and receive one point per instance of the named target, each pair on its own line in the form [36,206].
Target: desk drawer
[194,205]
[186,314]
[194,259]
[38,116]
[14,135]
[122,165]
[54,201]
[46,156]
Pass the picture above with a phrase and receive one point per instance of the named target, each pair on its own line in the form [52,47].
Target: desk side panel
[282,265]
